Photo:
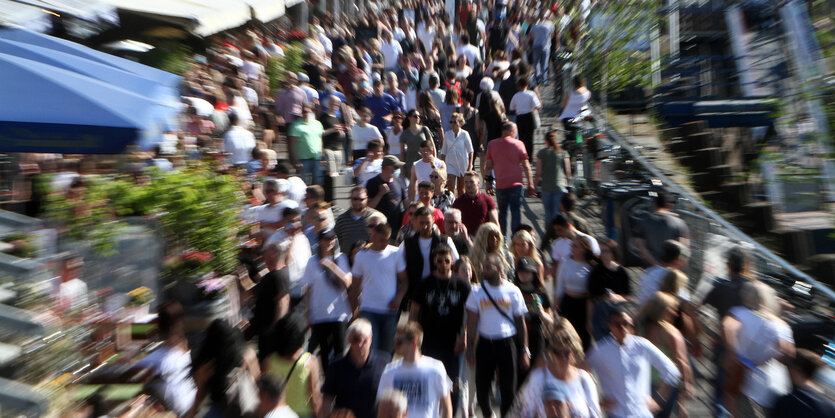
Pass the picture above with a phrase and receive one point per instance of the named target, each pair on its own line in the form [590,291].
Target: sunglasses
[358,198]
[443,261]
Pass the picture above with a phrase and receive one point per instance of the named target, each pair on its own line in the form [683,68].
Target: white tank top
[576,103]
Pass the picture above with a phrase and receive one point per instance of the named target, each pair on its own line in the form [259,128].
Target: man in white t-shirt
[269,215]
[379,275]
[363,132]
[422,379]
[468,50]
[238,142]
[496,319]
[292,237]
[390,49]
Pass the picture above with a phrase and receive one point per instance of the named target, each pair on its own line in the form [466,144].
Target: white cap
[486,84]
[283,186]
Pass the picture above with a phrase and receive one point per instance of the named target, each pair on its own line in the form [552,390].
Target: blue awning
[56,109]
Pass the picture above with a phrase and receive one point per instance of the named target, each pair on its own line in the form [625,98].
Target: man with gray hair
[455,230]
[351,381]
[392,404]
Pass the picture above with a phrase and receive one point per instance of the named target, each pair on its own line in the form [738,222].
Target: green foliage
[196,208]
[174,57]
[606,52]
[278,66]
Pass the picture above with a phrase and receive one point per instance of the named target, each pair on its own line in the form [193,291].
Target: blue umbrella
[44,108]
[63,45]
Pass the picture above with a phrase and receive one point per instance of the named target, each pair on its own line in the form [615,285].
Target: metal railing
[711,234]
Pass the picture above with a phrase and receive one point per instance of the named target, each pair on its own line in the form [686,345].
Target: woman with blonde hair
[443,198]
[457,152]
[756,339]
[558,371]
[523,244]
[657,317]
[489,240]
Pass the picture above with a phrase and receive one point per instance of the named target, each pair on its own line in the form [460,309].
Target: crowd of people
[422,299]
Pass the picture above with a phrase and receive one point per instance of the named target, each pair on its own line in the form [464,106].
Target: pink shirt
[507,155]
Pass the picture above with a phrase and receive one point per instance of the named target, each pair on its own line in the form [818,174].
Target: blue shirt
[380,106]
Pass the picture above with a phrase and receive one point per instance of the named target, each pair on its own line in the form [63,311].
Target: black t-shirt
[535,300]
[333,140]
[442,304]
[356,388]
[725,294]
[803,402]
[273,285]
[601,278]
[392,204]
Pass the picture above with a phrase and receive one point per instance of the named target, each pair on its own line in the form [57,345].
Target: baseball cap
[392,160]
[327,234]
[527,264]
[303,77]
[486,84]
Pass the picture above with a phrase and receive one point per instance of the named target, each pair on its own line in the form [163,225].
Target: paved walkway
[533,214]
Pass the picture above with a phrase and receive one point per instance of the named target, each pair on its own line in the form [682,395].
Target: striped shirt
[351,228]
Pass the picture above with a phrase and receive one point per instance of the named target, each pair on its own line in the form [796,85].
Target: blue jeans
[512,197]
[383,326]
[312,170]
[540,62]
[551,202]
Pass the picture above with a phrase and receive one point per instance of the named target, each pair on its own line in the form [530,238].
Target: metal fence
[712,236]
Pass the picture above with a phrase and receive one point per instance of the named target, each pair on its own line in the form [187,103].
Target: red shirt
[474,210]
[507,155]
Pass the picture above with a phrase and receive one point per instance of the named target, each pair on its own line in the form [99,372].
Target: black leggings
[329,337]
[489,355]
[525,125]
[575,311]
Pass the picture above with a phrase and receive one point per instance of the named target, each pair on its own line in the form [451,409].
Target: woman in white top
[755,338]
[571,291]
[574,102]
[422,168]
[457,152]
[523,104]
[557,371]
[462,70]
